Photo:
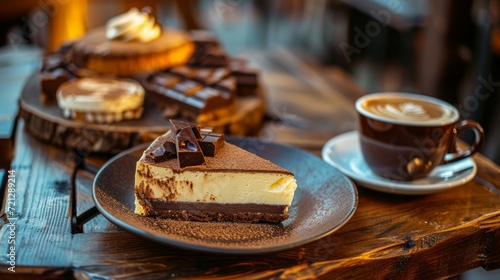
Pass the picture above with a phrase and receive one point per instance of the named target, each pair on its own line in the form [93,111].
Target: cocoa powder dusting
[215,234]
[231,157]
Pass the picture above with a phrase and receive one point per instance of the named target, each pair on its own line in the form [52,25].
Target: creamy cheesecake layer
[216,187]
[234,185]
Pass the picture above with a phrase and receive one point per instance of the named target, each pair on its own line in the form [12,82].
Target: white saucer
[344,153]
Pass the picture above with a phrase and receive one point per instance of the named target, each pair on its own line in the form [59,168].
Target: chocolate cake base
[216,212]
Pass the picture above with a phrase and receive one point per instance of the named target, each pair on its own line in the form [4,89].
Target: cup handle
[475,147]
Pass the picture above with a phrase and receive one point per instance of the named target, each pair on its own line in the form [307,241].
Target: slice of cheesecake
[228,184]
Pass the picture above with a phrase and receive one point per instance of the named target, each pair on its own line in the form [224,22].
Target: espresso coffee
[404,136]
[411,110]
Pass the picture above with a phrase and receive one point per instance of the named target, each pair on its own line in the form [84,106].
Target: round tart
[101,100]
[130,43]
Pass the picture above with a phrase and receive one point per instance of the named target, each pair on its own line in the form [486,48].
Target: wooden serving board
[47,123]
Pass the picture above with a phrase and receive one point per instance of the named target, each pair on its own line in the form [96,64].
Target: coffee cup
[404,136]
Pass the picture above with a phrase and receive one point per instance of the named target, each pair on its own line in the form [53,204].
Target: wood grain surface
[389,236]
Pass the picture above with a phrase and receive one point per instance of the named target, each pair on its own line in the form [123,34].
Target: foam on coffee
[407,108]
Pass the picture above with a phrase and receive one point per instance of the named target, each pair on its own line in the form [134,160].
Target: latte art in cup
[403,136]
[408,110]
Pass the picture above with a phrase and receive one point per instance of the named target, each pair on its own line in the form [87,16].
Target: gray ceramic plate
[324,201]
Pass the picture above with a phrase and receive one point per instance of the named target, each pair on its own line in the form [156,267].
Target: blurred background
[448,48]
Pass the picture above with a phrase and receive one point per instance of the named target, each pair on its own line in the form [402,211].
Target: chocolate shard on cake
[211,143]
[170,148]
[178,125]
[188,150]
[159,154]
[233,185]
[165,151]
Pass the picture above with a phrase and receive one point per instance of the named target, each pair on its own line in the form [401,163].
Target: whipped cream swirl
[134,25]
[404,111]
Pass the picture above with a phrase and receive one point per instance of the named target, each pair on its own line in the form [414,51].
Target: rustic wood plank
[42,227]
[16,64]
[85,202]
[122,258]
[390,236]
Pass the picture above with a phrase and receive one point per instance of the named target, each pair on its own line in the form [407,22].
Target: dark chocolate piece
[194,105]
[166,79]
[210,76]
[214,57]
[165,151]
[177,126]
[80,72]
[198,99]
[188,150]
[217,75]
[52,62]
[246,79]
[183,71]
[221,212]
[50,81]
[169,97]
[170,148]
[170,111]
[208,93]
[208,52]
[188,87]
[203,75]
[160,154]
[210,81]
[65,47]
[227,85]
[213,98]
[211,144]
[204,39]
[197,56]
[59,59]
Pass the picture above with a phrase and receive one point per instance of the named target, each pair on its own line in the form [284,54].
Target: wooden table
[390,236]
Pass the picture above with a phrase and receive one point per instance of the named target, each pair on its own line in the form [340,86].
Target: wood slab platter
[47,123]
